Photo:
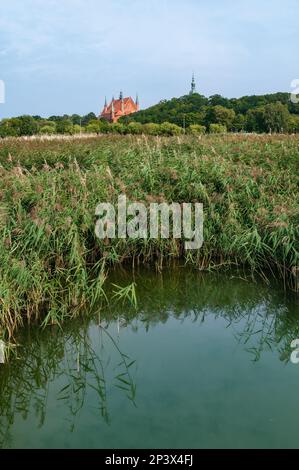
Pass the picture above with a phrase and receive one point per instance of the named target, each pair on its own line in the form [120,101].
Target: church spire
[137,101]
[193,86]
[105,105]
[121,97]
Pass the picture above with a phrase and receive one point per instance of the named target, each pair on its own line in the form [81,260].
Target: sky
[63,56]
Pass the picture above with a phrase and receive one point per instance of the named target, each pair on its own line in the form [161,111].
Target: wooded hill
[263,113]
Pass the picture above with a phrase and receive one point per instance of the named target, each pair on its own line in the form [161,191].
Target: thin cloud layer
[64,56]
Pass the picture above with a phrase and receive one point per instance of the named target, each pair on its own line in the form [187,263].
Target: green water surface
[204,362]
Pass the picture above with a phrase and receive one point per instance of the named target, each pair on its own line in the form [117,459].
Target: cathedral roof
[119,108]
[119,104]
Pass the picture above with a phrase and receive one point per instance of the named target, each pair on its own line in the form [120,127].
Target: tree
[273,112]
[187,119]
[276,117]
[255,120]
[64,127]
[197,109]
[220,115]
[239,123]
[87,118]
[218,100]
[27,125]
[55,118]
[76,119]
[273,117]
[175,111]
[294,124]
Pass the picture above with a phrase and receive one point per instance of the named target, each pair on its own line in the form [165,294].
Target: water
[204,362]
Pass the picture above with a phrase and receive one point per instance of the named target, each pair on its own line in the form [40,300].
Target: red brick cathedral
[118,108]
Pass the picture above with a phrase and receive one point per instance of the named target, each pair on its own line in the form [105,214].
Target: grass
[52,265]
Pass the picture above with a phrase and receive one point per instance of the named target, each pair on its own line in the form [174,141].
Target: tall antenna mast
[193,86]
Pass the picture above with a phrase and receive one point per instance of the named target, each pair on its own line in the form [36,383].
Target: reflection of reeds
[86,358]
[126,293]
[77,360]
[52,265]
[124,379]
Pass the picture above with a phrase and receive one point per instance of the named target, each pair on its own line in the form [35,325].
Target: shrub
[93,127]
[77,129]
[118,128]
[152,128]
[170,129]
[9,127]
[135,128]
[217,129]
[104,126]
[196,129]
[47,130]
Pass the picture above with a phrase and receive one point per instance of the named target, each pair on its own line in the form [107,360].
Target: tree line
[194,114]
[265,113]
[68,125]
[33,125]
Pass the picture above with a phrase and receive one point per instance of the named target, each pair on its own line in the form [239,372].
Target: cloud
[153,45]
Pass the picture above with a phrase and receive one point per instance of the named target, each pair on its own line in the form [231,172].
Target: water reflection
[76,360]
[262,317]
[87,358]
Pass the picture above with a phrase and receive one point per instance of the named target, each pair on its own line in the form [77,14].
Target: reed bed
[53,266]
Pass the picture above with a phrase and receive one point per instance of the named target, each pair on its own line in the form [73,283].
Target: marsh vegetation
[52,265]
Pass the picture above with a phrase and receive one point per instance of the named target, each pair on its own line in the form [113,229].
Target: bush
[118,128]
[217,129]
[93,127]
[170,129]
[77,129]
[104,126]
[47,130]
[196,129]
[152,128]
[9,127]
[135,128]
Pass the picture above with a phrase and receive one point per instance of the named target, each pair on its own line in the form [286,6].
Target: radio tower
[193,86]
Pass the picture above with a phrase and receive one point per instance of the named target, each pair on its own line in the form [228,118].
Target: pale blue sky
[64,56]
